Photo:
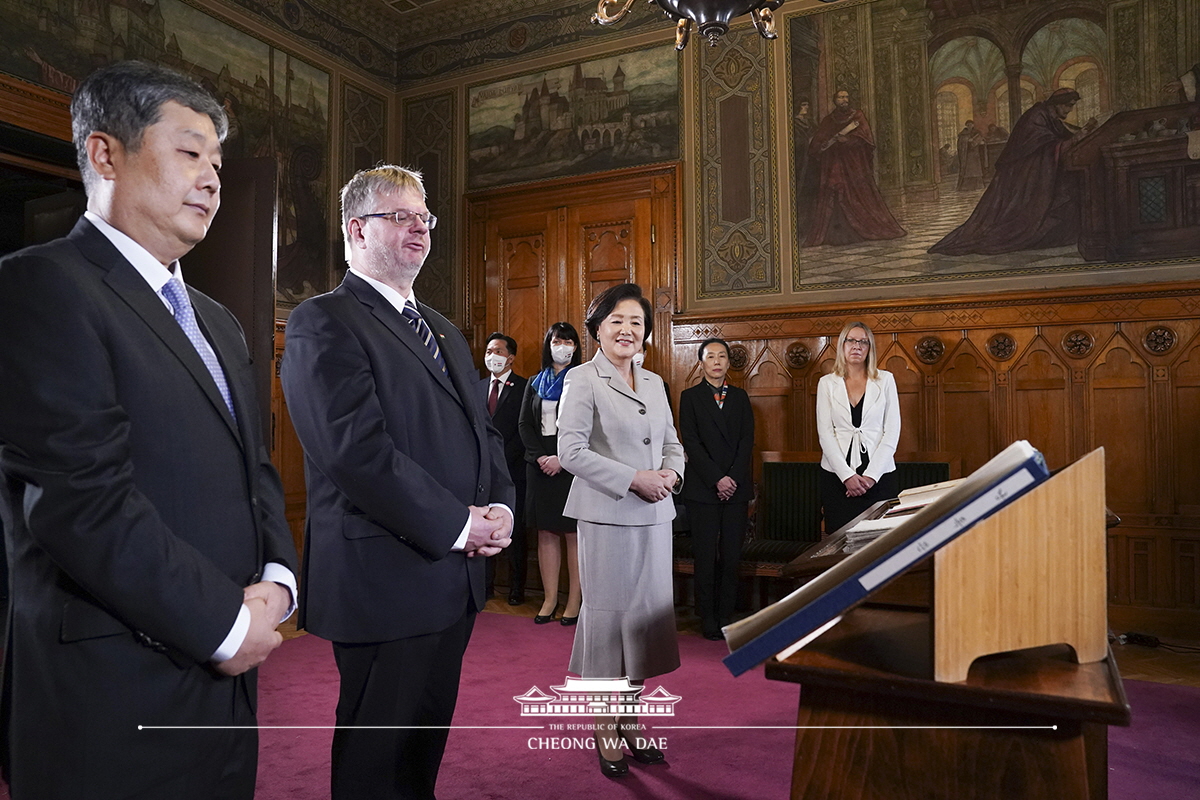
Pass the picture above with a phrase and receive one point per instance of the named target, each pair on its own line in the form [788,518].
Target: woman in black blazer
[548,483]
[716,424]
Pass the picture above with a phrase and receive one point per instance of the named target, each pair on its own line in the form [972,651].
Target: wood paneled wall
[1117,368]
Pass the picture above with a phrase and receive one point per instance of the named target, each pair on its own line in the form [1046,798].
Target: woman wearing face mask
[858,424]
[548,483]
[616,436]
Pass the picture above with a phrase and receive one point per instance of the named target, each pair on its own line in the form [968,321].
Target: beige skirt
[627,622]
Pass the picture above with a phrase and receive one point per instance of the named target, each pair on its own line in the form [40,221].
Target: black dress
[840,509]
[546,495]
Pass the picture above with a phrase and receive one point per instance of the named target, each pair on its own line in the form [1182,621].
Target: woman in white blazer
[615,435]
[858,423]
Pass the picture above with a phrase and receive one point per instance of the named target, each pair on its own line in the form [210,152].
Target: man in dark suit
[502,392]
[151,561]
[716,424]
[407,492]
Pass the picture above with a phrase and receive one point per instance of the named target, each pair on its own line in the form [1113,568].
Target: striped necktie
[177,296]
[422,328]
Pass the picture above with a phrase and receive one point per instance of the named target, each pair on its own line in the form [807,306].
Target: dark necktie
[422,328]
[494,397]
[177,296]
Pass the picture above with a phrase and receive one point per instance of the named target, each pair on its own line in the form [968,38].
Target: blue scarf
[548,385]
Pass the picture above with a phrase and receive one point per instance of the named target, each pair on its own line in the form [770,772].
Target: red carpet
[507,657]
[1158,758]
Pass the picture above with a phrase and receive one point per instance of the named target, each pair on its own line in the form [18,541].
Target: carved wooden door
[540,255]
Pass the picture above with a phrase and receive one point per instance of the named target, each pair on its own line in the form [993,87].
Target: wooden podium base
[874,725]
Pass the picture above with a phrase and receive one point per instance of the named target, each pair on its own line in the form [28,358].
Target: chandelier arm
[764,21]
[683,31]
[604,17]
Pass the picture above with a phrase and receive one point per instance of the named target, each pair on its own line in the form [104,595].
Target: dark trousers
[717,533]
[839,509]
[406,683]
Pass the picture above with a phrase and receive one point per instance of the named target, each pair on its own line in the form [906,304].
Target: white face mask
[561,353]
[495,364]
[639,359]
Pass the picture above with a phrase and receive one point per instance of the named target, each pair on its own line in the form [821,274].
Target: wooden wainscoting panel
[1041,405]
[1120,405]
[968,425]
[1071,370]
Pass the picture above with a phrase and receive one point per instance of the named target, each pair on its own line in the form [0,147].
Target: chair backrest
[924,468]
[789,501]
[789,504]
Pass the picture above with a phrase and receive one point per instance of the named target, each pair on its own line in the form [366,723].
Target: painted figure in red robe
[849,207]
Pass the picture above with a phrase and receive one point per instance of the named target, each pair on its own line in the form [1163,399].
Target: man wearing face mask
[502,390]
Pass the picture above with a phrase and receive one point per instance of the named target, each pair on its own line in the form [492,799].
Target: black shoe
[610,769]
[714,636]
[647,755]
[516,597]
[543,619]
[569,620]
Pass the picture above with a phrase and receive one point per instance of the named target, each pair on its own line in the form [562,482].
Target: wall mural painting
[1032,139]
[278,105]
[620,111]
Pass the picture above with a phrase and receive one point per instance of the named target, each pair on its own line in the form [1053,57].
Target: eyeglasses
[859,342]
[405,218]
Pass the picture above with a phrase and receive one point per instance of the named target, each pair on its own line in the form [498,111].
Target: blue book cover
[815,607]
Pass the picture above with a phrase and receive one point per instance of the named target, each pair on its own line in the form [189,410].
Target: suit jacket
[718,440]
[879,432]
[395,450]
[606,433]
[530,427]
[136,510]
[506,419]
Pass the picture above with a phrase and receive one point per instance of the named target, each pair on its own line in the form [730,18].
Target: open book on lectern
[785,626]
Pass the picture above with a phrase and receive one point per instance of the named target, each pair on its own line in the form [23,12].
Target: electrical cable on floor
[1147,640]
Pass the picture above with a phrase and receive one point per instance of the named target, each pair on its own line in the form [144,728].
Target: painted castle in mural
[277,105]
[574,120]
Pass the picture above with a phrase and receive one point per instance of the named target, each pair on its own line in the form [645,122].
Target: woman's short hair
[561,330]
[707,342]
[839,365]
[603,304]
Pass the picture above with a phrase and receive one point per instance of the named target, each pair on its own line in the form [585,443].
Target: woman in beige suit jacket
[616,436]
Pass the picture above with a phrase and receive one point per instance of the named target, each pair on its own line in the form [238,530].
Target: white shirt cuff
[237,635]
[278,573]
[461,543]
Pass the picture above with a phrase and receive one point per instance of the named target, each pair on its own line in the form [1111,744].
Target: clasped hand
[857,485]
[491,531]
[267,601]
[653,485]
[725,488]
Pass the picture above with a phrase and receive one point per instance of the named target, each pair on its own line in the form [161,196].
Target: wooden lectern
[1004,688]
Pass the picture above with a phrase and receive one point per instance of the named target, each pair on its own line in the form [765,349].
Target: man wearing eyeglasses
[408,492]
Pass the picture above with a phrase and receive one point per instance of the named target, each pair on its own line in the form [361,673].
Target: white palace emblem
[590,696]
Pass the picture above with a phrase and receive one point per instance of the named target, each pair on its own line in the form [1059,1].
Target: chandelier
[711,16]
